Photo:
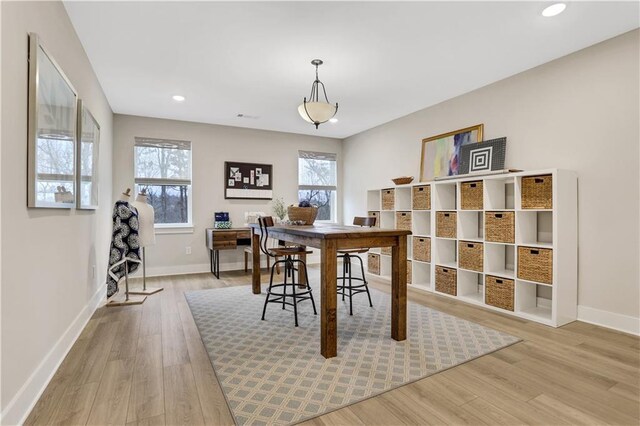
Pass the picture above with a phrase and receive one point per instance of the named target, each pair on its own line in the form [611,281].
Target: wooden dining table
[329,239]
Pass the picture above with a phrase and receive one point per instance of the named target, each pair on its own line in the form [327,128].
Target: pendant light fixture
[316,111]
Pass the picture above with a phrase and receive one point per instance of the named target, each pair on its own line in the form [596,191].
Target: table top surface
[332,231]
[243,228]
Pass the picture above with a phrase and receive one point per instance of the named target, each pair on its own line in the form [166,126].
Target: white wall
[0,220]
[212,145]
[580,112]
[48,291]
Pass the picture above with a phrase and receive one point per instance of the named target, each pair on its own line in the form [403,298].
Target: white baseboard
[22,403]
[624,323]
[159,271]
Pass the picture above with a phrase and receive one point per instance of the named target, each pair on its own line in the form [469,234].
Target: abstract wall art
[485,156]
[441,154]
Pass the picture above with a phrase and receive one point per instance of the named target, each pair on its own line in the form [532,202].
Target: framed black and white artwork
[483,156]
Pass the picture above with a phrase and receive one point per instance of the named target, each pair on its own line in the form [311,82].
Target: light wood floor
[146,365]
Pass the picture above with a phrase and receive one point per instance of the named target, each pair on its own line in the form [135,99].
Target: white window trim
[334,188]
[170,228]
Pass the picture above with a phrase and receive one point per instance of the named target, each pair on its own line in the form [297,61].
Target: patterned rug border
[235,420]
[388,390]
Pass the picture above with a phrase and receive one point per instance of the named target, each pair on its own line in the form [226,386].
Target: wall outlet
[187,250]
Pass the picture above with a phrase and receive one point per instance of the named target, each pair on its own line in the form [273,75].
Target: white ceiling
[383,60]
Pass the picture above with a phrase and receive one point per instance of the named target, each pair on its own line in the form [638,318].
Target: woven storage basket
[375,214]
[446,224]
[470,255]
[408,272]
[373,263]
[535,264]
[305,214]
[422,249]
[386,250]
[422,197]
[499,292]
[446,280]
[500,227]
[537,192]
[403,220]
[471,195]
[388,199]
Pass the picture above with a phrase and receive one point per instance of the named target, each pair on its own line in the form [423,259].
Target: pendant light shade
[319,112]
[314,110]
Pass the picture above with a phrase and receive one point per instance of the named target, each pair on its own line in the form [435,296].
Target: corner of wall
[0,211]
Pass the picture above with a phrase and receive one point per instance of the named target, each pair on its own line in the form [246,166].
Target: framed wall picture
[248,181]
[87,165]
[441,154]
[52,122]
[484,156]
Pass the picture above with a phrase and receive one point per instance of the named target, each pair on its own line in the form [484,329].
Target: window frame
[331,156]
[138,181]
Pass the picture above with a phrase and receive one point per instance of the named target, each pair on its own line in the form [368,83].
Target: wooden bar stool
[248,251]
[290,261]
[347,288]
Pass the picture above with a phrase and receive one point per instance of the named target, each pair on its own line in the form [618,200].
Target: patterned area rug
[272,372]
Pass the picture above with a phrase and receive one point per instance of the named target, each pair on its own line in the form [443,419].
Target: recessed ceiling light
[333,120]
[554,9]
[178,98]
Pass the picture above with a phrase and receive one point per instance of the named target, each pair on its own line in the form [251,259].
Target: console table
[225,239]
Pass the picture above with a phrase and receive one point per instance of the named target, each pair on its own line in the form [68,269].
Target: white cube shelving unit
[421,223]
[553,229]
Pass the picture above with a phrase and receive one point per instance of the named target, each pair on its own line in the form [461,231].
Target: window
[163,168]
[317,182]
[55,169]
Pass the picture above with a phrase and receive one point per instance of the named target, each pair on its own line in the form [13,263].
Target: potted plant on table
[279,208]
[304,212]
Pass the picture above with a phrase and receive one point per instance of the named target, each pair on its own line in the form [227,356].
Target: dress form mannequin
[147,236]
[146,220]
[126,195]
[124,252]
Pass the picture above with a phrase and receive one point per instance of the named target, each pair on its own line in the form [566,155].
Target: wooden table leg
[302,277]
[328,311]
[255,272]
[399,289]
